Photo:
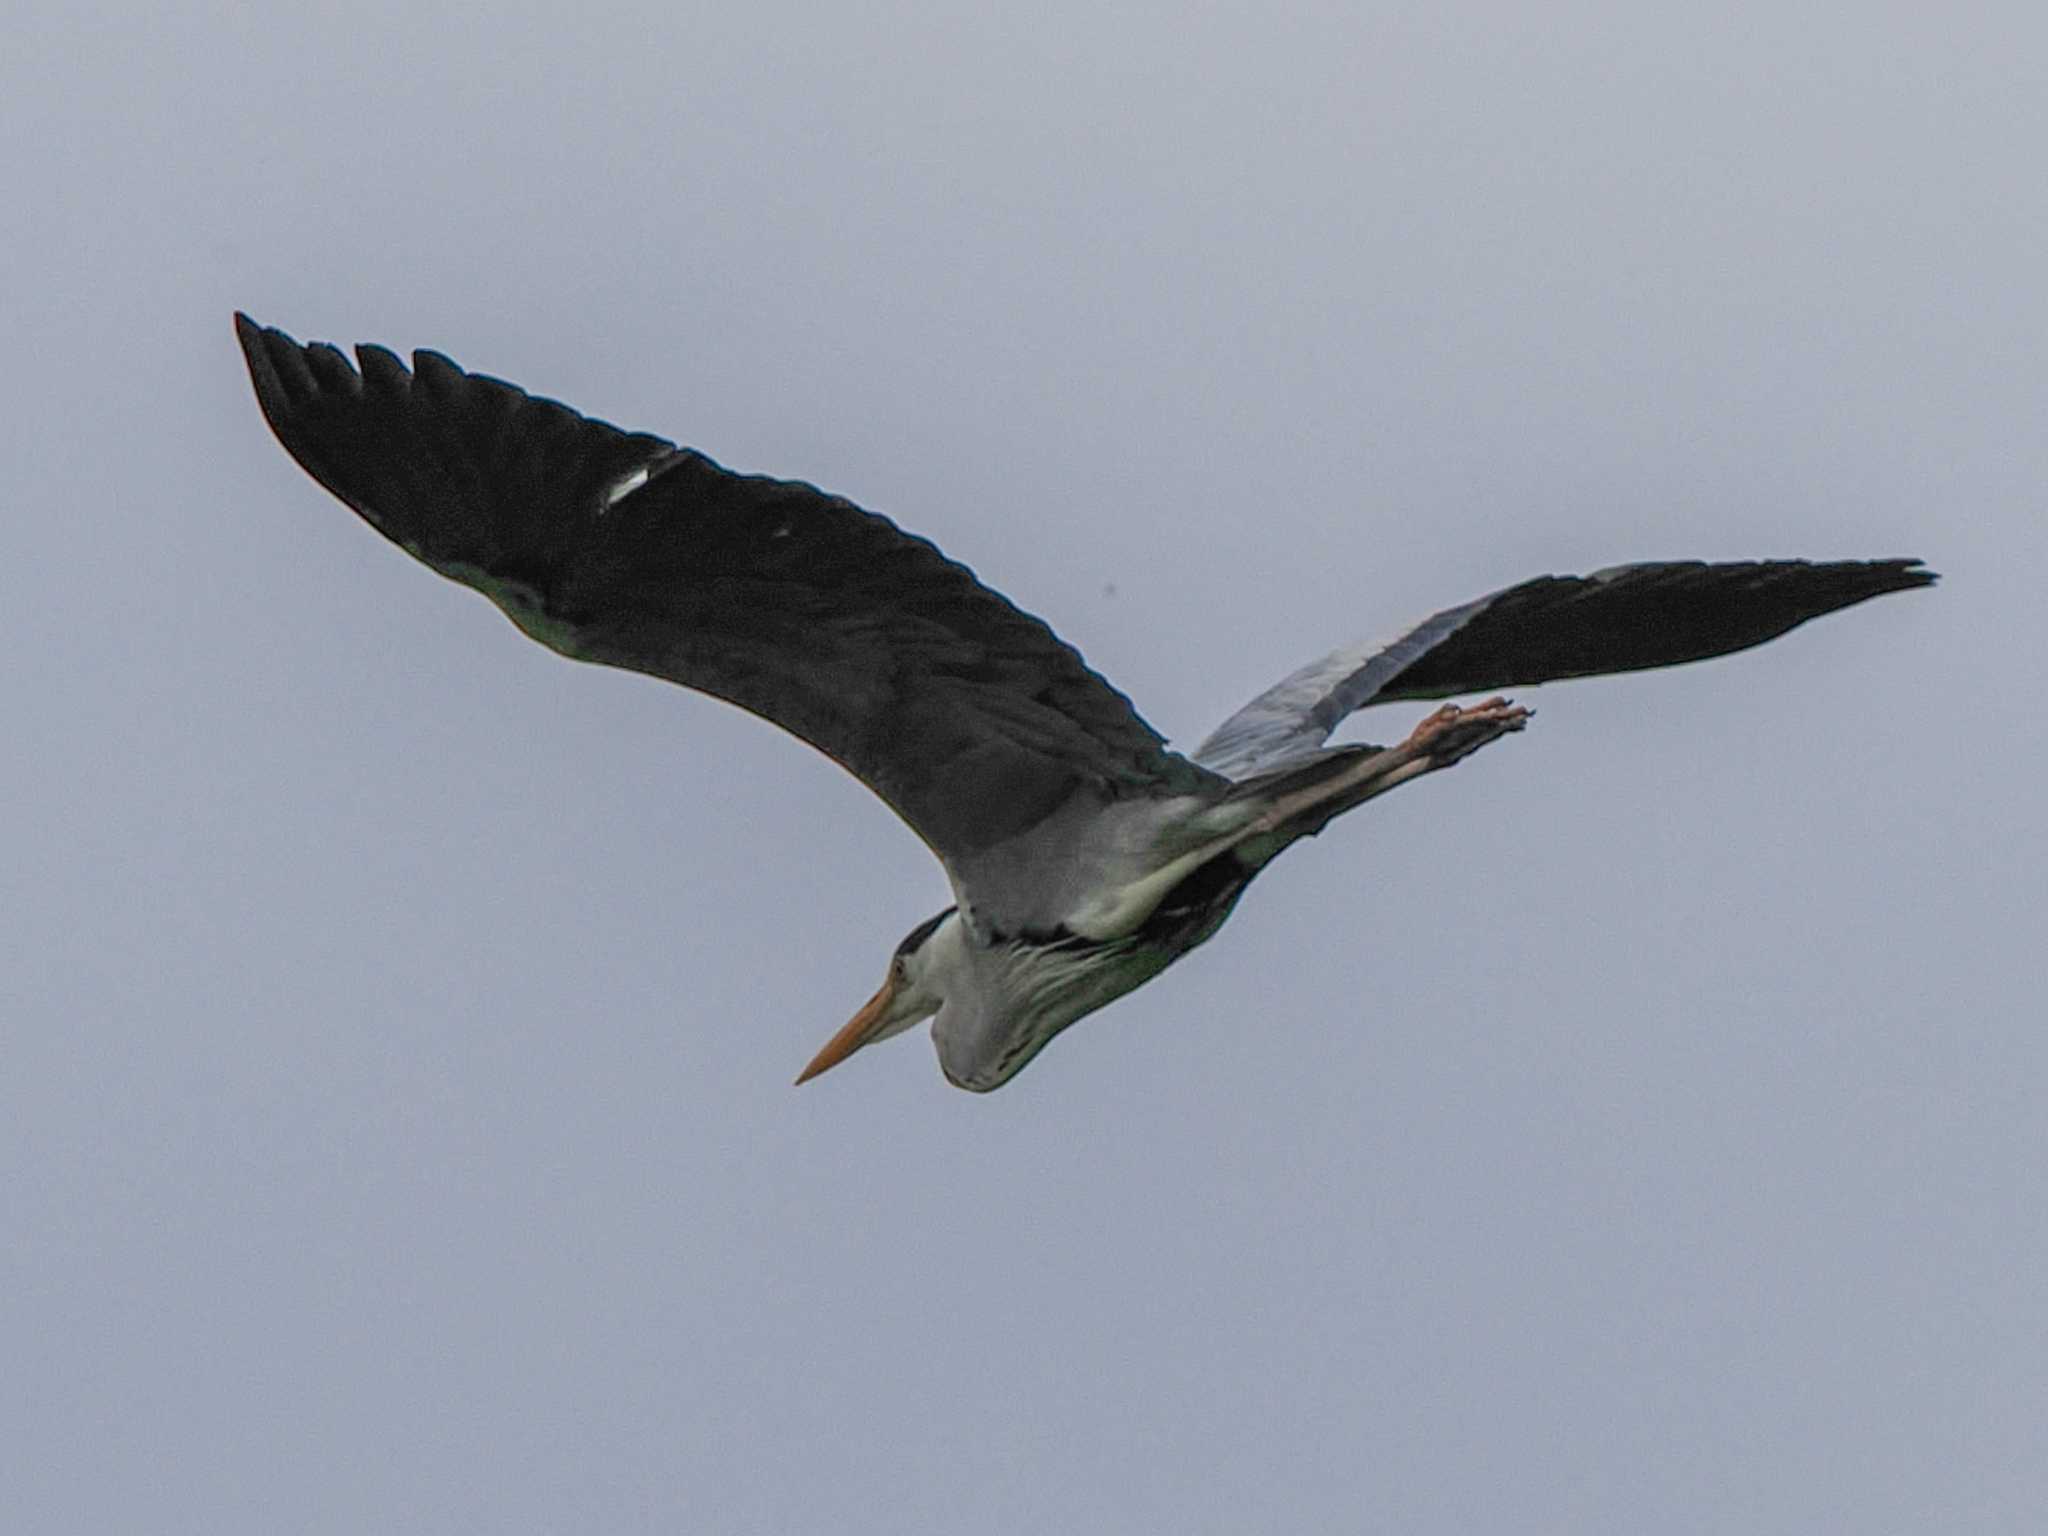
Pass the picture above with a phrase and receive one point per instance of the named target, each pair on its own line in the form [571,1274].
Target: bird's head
[911,992]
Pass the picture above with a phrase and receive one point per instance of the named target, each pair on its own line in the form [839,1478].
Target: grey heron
[1085,856]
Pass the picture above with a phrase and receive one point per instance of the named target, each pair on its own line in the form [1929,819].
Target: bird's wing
[1622,619]
[969,717]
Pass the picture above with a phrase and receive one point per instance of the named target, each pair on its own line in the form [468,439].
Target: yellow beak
[858,1031]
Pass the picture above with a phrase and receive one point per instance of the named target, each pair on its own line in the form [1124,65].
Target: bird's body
[1085,856]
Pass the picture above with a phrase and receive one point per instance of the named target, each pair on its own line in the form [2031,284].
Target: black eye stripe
[921,932]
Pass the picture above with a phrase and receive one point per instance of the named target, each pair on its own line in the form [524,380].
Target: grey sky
[1638,1129]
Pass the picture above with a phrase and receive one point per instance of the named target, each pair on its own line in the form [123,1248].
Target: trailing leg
[1442,740]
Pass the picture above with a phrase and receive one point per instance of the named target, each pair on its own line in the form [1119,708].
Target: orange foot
[1453,733]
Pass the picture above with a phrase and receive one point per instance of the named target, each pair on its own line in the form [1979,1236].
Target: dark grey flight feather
[1623,619]
[968,716]
[1631,617]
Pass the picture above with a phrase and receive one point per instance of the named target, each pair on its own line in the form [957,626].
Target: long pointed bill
[859,1030]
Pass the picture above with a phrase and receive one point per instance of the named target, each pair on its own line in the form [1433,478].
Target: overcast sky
[1639,1129]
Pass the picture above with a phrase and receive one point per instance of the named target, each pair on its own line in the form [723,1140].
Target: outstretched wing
[969,717]
[1622,619]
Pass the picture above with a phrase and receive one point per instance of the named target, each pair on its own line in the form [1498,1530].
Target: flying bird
[1085,855]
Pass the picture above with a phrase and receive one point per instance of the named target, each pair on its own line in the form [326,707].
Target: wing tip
[1862,579]
[1912,572]
[274,367]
